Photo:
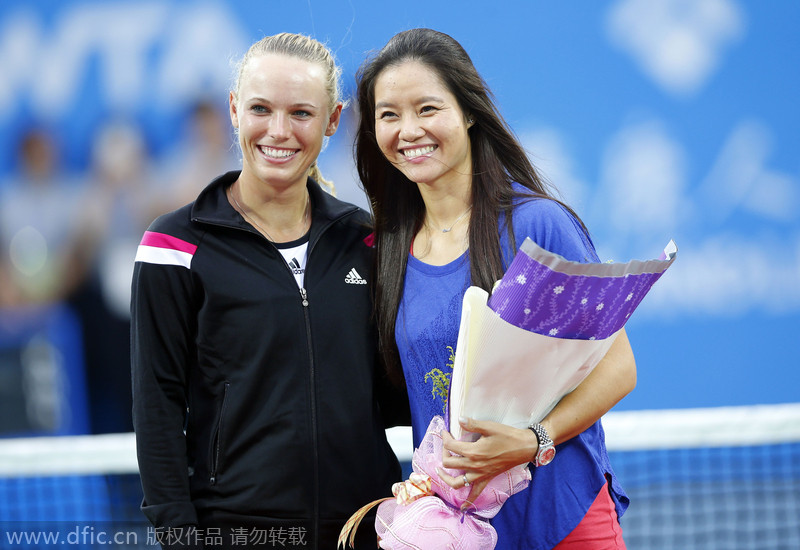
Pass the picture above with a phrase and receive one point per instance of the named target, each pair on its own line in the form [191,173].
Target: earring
[471,121]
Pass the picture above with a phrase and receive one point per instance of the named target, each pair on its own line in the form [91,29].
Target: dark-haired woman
[453,194]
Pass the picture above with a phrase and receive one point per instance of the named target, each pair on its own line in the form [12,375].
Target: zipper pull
[304,295]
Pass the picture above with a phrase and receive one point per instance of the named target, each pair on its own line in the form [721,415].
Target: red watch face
[547,456]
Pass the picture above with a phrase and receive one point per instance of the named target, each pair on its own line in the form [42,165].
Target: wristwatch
[547,449]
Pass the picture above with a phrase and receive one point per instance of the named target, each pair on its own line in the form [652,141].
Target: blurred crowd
[70,239]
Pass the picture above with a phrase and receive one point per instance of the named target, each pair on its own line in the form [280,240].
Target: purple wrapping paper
[544,293]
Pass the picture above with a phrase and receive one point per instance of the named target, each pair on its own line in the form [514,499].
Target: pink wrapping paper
[437,521]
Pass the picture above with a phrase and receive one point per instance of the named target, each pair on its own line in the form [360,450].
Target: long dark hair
[498,160]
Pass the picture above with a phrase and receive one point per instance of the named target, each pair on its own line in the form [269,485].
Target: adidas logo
[353,278]
[295,266]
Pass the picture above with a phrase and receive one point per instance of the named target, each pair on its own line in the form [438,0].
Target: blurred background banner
[657,119]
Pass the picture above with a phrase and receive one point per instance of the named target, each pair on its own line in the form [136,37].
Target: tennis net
[709,479]
[722,478]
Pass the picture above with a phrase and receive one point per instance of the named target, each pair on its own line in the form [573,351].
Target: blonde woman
[254,374]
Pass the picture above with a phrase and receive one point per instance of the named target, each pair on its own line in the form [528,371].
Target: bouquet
[547,324]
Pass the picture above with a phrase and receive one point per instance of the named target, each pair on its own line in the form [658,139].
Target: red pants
[599,529]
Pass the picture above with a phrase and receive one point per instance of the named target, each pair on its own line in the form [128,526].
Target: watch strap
[546,450]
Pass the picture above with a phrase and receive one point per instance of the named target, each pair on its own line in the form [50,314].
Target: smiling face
[420,127]
[282,115]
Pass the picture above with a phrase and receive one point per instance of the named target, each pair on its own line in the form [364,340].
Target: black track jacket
[256,402]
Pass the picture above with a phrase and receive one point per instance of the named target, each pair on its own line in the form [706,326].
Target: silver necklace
[458,219]
[254,222]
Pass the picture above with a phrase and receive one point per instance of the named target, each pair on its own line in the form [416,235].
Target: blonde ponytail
[315,174]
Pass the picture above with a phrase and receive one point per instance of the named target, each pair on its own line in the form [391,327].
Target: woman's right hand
[498,449]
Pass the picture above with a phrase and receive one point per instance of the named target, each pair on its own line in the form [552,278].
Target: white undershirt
[296,253]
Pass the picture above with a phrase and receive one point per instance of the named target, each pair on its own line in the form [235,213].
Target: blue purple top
[426,333]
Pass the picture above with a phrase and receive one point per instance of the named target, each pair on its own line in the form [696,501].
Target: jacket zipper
[313,406]
[312,374]
[312,370]
[218,435]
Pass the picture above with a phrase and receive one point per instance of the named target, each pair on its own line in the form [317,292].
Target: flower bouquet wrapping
[547,324]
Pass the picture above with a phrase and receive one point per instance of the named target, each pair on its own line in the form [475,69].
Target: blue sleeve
[553,228]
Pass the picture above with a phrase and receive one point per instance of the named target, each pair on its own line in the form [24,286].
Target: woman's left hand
[499,448]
